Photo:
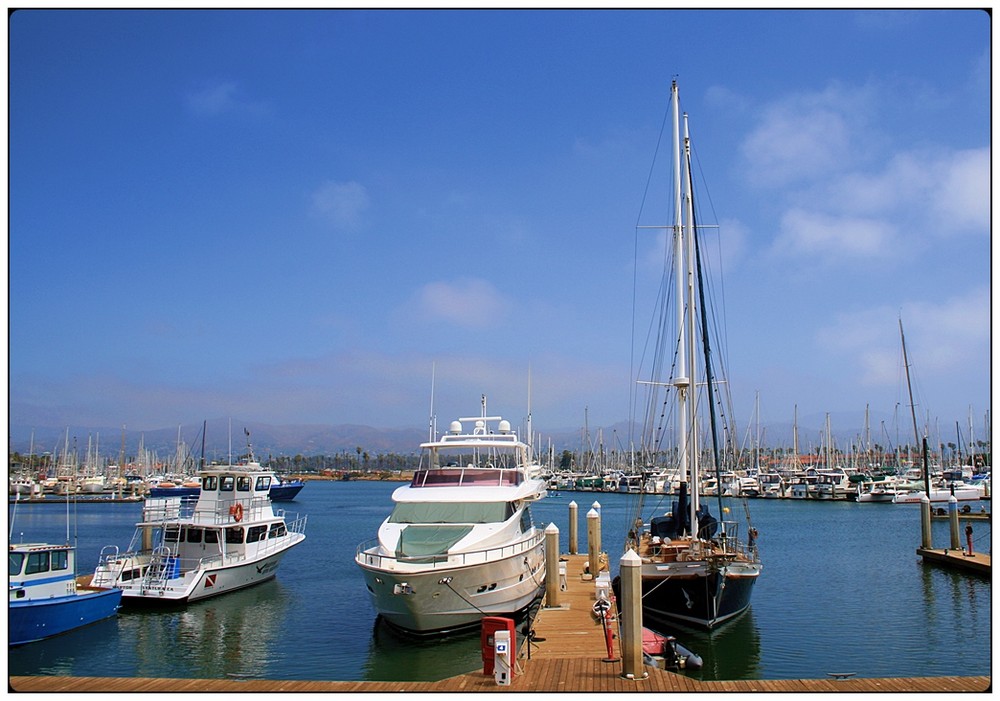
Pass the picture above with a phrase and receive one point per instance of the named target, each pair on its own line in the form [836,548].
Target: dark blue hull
[701,601]
[286,491]
[31,620]
[174,491]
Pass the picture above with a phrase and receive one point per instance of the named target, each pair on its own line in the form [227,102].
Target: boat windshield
[14,562]
[451,512]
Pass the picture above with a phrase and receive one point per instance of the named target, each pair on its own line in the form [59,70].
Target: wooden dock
[568,655]
[957,559]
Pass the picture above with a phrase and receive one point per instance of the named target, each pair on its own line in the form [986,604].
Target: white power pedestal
[502,657]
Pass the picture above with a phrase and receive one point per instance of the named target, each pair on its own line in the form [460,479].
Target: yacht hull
[442,598]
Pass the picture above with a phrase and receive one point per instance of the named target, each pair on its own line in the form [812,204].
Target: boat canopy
[426,540]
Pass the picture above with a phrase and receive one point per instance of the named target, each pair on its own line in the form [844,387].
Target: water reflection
[225,636]
[394,656]
[63,655]
[729,652]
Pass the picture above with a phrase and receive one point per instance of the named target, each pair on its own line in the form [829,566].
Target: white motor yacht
[460,543]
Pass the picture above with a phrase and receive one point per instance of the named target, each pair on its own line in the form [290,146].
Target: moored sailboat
[696,569]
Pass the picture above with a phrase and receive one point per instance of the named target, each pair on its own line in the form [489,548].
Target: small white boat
[877,492]
[460,543]
[183,550]
[938,495]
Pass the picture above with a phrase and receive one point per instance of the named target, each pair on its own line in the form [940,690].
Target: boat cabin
[46,569]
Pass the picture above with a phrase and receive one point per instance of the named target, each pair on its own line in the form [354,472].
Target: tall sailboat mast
[689,323]
[682,380]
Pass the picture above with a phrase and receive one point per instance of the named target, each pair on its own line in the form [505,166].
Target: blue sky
[291,216]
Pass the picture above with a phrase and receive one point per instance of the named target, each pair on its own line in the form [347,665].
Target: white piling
[593,540]
[956,540]
[552,566]
[630,566]
[572,528]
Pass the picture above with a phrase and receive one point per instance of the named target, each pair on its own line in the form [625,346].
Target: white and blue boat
[46,598]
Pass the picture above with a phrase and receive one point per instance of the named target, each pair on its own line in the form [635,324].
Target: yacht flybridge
[460,543]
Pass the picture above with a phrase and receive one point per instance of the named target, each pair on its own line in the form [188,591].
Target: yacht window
[277,530]
[243,483]
[209,483]
[14,562]
[263,483]
[226,484]
[193,535]
[60,559]
[211,536]
[255,533]
[234,535]
[525,520]
[37,562]
[449,512]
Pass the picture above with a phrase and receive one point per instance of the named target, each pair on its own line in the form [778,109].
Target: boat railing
[368,554]
[730,544]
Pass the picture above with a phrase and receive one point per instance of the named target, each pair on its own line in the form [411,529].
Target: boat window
[226,483]
[277,530]
[243,483]
[37,562]
[234,535]
[171,534]
[525,520]
[211,536]
[209,483]
[255,533]
[193,535]
[14,563]
[60,559]
[449,512]
[263,483]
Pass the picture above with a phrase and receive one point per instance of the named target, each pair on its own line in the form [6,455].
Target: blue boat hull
[31,620]
[286,491]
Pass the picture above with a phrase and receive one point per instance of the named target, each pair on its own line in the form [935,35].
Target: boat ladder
[163,566]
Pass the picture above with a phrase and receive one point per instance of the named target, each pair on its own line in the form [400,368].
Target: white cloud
[803,137]
[468,302]
[342,204]
[833,238]
[943,338]
[963,200]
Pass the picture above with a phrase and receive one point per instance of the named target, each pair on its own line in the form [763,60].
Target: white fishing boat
[696,569]
[460,543]
[184,550]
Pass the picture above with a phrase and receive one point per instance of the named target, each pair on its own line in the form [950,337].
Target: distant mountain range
[322,439]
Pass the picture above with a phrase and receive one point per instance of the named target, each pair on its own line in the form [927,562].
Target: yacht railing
[368,554]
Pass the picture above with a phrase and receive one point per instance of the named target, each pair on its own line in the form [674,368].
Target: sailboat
[696,570]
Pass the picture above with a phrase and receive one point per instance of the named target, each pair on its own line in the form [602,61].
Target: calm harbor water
[842,590]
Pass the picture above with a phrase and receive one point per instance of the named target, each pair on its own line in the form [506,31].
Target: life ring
[236,511]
